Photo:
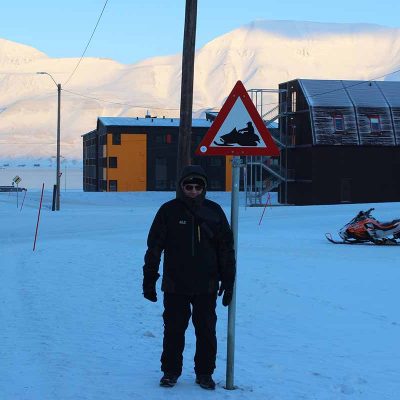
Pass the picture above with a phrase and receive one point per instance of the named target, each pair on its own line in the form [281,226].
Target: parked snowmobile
[364,228]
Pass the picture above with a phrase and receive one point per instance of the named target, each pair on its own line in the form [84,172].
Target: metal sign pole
[237,112]
[245,182]
[230,359]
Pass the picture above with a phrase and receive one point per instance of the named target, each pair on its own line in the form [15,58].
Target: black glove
[227,295]
[152,295]
[149,287]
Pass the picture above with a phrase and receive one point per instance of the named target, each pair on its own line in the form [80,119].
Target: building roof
[338,93]
[391,90]
[130,121]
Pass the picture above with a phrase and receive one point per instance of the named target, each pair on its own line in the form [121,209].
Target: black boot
[168,380]
[205,381]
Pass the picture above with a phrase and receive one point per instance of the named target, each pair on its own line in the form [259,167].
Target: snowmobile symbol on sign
[242,137]
[238,129]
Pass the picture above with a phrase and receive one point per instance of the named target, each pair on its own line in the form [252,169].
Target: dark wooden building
[340,141]
[139,154]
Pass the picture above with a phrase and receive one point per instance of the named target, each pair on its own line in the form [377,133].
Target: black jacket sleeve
[155,246]
[226,254]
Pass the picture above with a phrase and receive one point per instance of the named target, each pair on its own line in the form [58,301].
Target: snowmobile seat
[386,226]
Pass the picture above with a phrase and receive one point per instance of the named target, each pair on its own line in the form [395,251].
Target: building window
[215,184]
[112,186]
[294,101]
[161,173]
[375,124]
[215,162]
[112,162]
[292,133]
[103,185]
[164,139]
[104,162]
[338,123]
[159,139]
[116,138]
[197,139]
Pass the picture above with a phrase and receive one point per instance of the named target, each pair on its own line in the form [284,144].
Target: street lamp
[58,174]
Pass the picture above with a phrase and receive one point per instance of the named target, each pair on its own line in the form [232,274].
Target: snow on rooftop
[128,121]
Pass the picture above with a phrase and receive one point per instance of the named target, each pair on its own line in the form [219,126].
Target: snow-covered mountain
[261,54]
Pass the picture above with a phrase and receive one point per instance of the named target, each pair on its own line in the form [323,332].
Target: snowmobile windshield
[361,215]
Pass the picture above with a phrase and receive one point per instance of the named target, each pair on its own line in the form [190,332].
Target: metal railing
[264,174]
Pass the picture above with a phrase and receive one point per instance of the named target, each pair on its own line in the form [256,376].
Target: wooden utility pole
[185,127]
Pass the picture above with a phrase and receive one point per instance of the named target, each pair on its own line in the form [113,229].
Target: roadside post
[17,180]
[268,202]
[238,130]
[38,218]
[23,200]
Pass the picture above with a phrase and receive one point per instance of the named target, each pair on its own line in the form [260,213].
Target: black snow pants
[177,311]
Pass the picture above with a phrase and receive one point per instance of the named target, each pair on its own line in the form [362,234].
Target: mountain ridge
[262,54]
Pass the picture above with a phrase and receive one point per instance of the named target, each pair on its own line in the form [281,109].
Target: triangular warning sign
[238,129]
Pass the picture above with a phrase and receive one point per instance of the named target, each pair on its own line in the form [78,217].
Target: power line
[208,108]
[84,51]
[121,103]
[352,85]
[212,108]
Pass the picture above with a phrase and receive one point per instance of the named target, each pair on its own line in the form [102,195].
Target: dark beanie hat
[194,180]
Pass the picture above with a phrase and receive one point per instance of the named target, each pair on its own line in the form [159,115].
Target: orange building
[139,154]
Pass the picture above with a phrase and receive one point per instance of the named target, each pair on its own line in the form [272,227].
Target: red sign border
[238,91]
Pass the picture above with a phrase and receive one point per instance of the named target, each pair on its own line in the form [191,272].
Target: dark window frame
[293,101]
[215,162]
[116,138]
[378,123]
[161,165]
[159,139]
[216,184]
[113,184]
[112,162]
[338,118]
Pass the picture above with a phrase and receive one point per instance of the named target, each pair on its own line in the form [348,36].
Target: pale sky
[131,30]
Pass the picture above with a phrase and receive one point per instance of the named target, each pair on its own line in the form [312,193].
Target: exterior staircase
[269,171]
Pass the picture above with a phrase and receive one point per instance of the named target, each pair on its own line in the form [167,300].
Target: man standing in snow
[199,262]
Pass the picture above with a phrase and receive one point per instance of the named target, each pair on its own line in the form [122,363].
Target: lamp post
[58,173]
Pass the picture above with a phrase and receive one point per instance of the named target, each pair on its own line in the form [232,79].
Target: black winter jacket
[198,246]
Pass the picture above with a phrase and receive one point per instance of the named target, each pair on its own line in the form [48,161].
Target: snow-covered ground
[314,320]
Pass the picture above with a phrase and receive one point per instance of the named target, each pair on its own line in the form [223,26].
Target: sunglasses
[188,187]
